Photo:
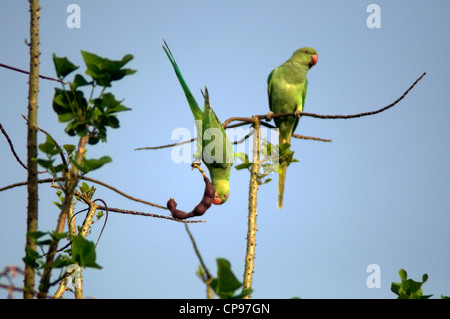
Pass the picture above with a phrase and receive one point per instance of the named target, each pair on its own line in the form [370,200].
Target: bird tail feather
[196,110]
[281,183]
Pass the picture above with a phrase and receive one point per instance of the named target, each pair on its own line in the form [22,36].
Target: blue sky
[378,194]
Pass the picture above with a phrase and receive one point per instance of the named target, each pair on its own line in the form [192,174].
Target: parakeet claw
[298,113]
[269,116]
[196,162]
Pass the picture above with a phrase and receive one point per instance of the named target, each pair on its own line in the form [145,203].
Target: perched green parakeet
[212,145]
[287,85]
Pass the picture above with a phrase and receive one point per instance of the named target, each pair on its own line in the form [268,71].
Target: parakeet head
[222,188]
[306,56]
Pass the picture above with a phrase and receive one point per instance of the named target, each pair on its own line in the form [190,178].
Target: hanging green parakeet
[212,145]
[287,85]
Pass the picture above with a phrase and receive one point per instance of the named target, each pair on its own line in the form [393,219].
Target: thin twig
[63,159]
[106,220]
[303,137]
[12,147]
[49,180]
[132,212]
[351,116]
[121,193]
[26,72]
[197,252]
[246,120]
[261,117]
[207,278]
[165,146]
[25,290]
[110,209]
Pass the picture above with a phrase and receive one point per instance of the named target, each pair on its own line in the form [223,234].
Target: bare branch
[50,180]
[165,146]
[122,193]
[132,212]
[12,147]
[351,116]
[303,137]
[26,72]
[63,159]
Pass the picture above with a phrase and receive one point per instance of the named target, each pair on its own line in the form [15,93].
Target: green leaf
[93,140]
[35,234]
[84,188]
[31,257]
[103,71]
[47,164]
[245,292]
[69,106]
[110,104]
[83,252]
[63,66]
[92,164]
[242,166]
[112,121]
[403,274]
[226,282]
[69,148]
[78,81]
[243,157]
[58,236]
[49,147]
[284,148]
[62,261]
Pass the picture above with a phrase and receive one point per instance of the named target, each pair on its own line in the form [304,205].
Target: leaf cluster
[89,116]
[271,157]
[409,288]
[226,283]
[82,251]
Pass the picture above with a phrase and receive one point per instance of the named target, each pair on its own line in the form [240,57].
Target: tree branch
[32,185]
[121,193]
[111,209]
[71,180]
[205,275]
[351,116]
[26,72]
[252,210]
[11,146]
[133,212]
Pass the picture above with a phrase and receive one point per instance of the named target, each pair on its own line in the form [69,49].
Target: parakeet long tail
[196,111]
[281,182]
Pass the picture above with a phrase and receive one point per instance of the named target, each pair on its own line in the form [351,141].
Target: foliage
[409,288]
[226,283]
[271,156]
[82,251]
[89,119]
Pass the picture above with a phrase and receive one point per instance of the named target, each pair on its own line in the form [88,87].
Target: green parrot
[212,145]
[287,86]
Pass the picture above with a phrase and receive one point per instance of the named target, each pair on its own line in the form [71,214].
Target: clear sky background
[378,194]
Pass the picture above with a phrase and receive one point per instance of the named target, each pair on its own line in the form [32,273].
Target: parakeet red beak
[217,199]
[314,59]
